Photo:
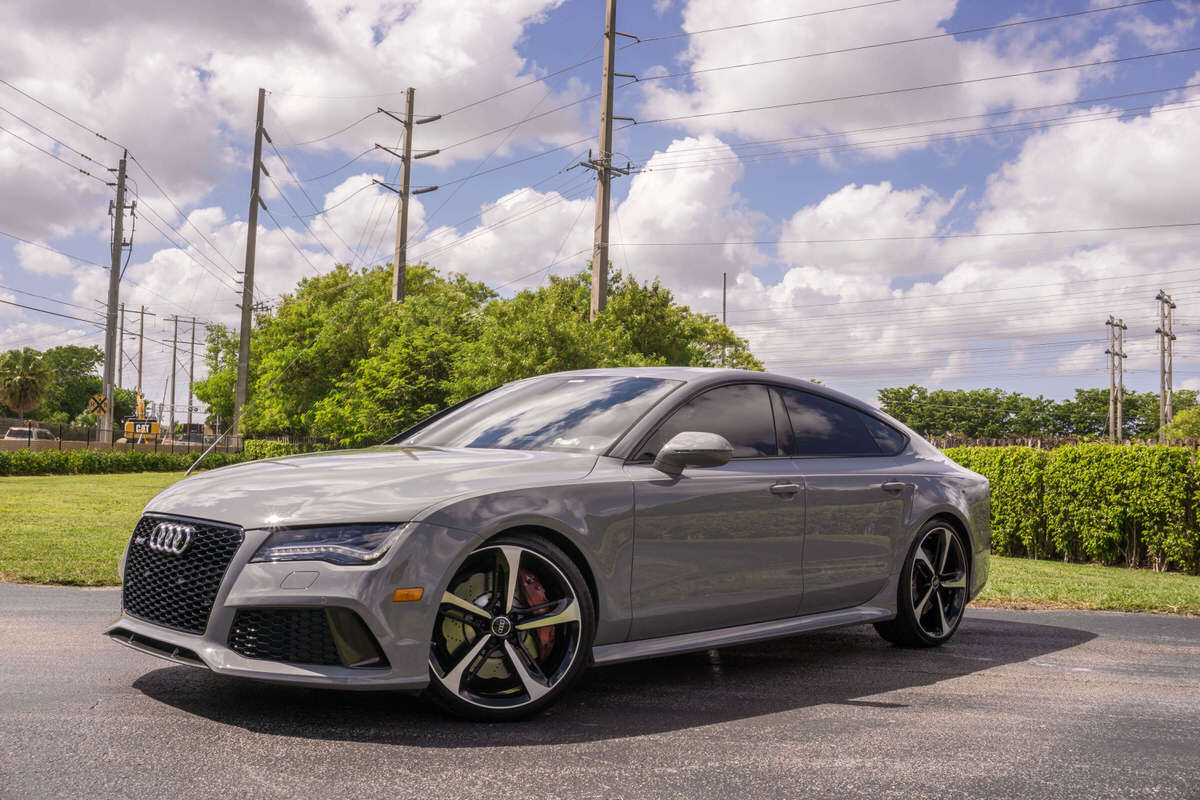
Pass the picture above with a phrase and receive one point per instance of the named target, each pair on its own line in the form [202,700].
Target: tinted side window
[741,413]
[822,427]
[891,441]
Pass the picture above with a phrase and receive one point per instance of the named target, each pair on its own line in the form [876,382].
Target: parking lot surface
[1054,704]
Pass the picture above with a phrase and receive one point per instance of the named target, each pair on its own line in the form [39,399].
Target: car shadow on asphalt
[850,667]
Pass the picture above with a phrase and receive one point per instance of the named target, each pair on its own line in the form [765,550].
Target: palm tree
[24,380]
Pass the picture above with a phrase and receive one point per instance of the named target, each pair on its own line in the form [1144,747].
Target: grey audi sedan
[493,551]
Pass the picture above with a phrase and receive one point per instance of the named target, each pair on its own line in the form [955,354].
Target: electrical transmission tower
[114,290]
[1166,361]
[1116,378]
[603,163]
[400,263]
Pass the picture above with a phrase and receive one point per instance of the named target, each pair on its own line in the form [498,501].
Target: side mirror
[693,449]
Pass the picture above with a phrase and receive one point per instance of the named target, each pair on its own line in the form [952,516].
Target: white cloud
[41,261]
[183,100]
[832,74]
[867,212]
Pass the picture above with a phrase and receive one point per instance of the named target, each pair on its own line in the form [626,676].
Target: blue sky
[1003,305]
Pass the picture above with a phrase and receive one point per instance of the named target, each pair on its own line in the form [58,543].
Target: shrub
[268,448]
[1095,502]
[94,461]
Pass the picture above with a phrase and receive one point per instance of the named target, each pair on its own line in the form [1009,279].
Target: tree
[1185,425]
[76,378]
[340,360]
[548,330]
[24,380]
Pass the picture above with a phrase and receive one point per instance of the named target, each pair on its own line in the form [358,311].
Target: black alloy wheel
[933,590]
[513,631]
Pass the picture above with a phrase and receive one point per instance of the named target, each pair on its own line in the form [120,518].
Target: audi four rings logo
[170,538]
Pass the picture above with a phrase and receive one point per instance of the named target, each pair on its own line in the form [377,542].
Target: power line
[331,135]
[914,238]
[666,165]
[942,85]
[911,40]
[179,211]
[281,229]
[665,36]
[52,250]
[40,149]
[72,120]
[846,132]
[52,313]
[44,297]
[1136,276]
[58,141]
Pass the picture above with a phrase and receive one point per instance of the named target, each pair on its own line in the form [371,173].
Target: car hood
[378,484]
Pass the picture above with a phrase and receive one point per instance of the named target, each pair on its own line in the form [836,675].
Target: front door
[717,546]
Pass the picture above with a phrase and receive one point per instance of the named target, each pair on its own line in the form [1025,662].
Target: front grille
[177,591]
[295,635]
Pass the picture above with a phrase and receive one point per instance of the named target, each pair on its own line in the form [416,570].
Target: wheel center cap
[501,627]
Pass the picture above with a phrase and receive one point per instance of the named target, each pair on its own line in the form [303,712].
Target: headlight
[337,544]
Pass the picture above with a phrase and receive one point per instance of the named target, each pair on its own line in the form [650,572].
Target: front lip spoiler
[155,647]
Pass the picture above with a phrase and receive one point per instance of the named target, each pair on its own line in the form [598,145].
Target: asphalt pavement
[1053,704]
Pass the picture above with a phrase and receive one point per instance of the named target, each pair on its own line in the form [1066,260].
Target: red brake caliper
[534,594]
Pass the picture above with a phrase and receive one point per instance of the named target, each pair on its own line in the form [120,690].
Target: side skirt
[740,634]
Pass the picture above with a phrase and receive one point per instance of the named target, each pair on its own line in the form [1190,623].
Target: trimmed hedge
[1093,502]
[75,462]
[268,448]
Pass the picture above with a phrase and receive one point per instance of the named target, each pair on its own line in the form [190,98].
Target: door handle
[786,489]
[894,487]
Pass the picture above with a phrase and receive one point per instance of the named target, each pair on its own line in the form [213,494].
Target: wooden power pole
[114,290]
[400,262]
[602,164]
[243,370]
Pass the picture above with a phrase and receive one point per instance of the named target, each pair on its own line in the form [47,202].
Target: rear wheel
[513,630]
[933,590]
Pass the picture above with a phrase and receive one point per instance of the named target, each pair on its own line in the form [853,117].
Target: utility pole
[1112,377]
[114,288]
[243,371]
[1166,336]
[400,262]
[1120,329]
[191,378]
[121,350]
[603,163]
[723,322]
[142,342]
[174,369]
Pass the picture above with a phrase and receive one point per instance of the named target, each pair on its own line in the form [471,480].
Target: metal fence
[80,437]
[1045,442]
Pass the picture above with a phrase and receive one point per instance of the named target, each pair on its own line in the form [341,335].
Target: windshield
[576,414]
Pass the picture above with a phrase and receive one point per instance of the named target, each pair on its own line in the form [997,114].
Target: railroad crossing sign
[97,404]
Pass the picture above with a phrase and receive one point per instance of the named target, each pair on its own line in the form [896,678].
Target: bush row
[1114,504]
[269,448]
[74,462]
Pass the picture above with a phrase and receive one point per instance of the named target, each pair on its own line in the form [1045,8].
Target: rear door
[855,500]
[717,546]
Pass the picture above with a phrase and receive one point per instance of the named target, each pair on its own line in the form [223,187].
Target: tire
[933,589]
[514,630]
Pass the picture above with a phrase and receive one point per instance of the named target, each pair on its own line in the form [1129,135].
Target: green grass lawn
[1025,583]
[70,529]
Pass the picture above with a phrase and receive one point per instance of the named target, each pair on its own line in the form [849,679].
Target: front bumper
[422,558]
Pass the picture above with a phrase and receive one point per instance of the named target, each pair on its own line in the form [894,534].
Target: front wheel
[513,630]
[933,590]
